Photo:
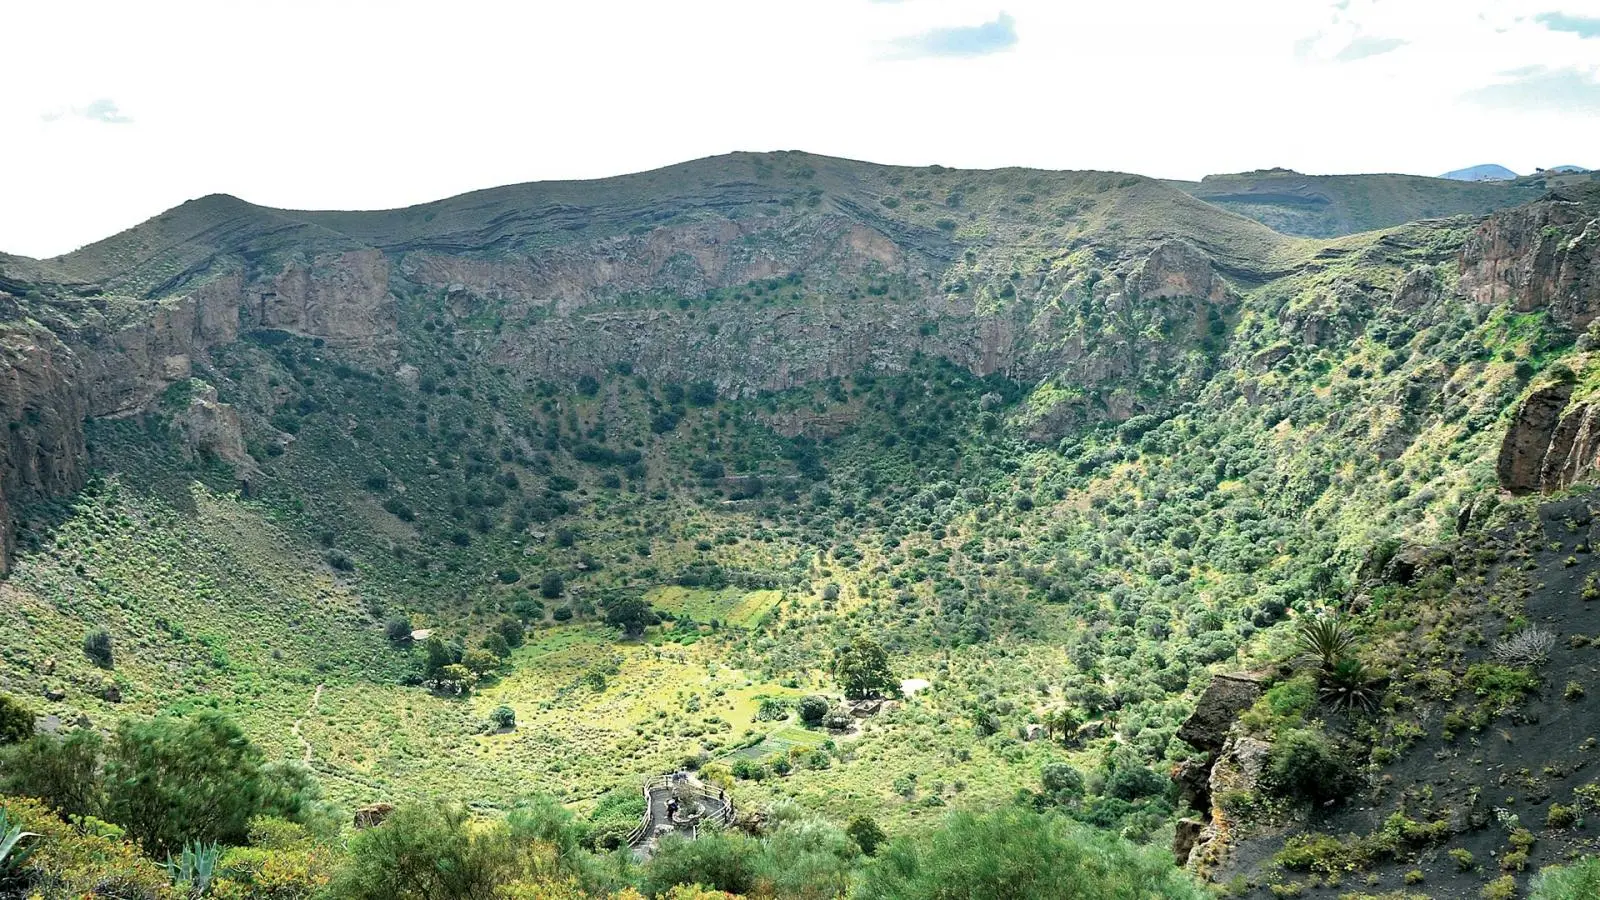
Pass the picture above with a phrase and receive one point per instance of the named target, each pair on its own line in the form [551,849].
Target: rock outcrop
[1177,269]
[1541,449]
[212,429]
[66,359]
[43,401]
[1218,708]
[1228,761]
[1545,255]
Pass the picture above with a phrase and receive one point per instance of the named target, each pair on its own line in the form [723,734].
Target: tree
[438,655]
[866,833]
[552,585]
[813,708]
[1062,784]
[496,643]
[427,852]
[97,646]
[1020,853]
[63,771]
[863,669]
[503,718]
[631,613]
[480,662]
[512,630]
[16,721]
[398,630]
[454,680]
[169,781]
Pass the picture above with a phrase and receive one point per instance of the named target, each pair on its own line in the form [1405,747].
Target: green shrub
[97,646]
[63,771]
[1018,853]
[1304,764]
[1503,687]
[1061,784]
[170,781]
[16,721]
[866,833]
[1561,816]
[725,861]
[503,717]
[1577,881]
[427,852]
[1502,888]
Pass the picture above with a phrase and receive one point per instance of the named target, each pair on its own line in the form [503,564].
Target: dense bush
[427,852]
[813,708]
[724,861]
[97,646]
[1305,764]
[16,721]
[1578,881]
[1018,853]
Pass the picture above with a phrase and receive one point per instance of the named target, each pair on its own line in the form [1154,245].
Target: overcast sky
[111,112]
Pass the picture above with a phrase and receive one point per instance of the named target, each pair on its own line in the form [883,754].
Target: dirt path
[294,729]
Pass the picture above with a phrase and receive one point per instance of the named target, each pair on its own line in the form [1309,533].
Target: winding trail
[294,729]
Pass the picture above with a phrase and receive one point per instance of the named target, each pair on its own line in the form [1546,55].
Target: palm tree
[1350,685]
[1326,639]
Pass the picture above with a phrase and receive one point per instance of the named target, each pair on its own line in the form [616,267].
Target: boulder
[1224,699]
[374,815]
[1412,560]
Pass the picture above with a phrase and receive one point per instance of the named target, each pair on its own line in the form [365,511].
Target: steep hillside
[1329,205]
[1066,445]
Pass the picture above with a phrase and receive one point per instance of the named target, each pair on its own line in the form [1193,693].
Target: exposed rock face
[1177,269]
[342,298]
[372,816]
[89,364]
[1542,256]
[43,403]
[129,364]
[1232,763]
[1226,697]
[1238,768]
[1531,440]
[1421,287]
[210,428]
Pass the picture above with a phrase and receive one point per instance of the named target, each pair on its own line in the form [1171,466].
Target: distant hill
[1332,205]
[1569,170]
[1486,172]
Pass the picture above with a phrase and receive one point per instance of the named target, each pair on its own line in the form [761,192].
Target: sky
[111,112]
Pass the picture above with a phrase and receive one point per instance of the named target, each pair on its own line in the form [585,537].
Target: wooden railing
[723,815]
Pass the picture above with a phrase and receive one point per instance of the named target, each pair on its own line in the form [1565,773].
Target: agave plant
[195,867]
[1326,639]
[12,853]
[1350,685]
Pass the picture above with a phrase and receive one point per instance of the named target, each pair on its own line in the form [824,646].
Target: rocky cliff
[756,271]
[1544,256]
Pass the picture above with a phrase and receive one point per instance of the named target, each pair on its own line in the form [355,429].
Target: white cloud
[377,103]
[103,110]
[964,40]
